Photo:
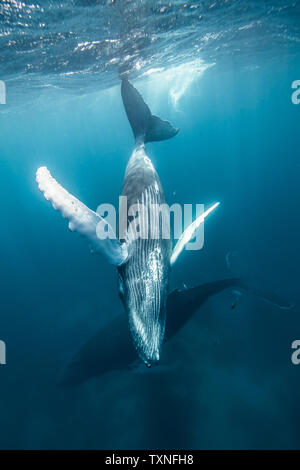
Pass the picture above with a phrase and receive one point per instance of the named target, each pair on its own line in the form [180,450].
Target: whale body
[144,277]
[111,349]
[144,261]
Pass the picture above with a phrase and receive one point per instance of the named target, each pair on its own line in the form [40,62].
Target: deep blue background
[232,384]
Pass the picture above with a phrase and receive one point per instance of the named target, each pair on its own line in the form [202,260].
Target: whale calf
[143,263]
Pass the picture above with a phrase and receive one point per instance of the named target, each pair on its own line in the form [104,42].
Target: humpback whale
[143,263]
[111,349]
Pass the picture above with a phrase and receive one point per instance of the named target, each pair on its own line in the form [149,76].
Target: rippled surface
[80,44]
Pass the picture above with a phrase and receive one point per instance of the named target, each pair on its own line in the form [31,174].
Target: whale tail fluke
[145,126]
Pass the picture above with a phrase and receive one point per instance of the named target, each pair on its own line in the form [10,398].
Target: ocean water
[221,71]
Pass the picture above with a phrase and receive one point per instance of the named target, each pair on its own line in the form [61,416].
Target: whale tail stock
[145,126]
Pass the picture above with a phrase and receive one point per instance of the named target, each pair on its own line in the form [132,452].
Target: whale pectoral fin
[81,219]
[236,268]
[189,233]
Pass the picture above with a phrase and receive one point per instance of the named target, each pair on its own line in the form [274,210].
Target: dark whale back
[111,347]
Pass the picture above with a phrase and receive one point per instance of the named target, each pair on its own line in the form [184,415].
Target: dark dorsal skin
[111,347]
[188,301]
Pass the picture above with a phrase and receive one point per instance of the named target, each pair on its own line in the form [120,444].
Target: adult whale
[143,261]
[110,347]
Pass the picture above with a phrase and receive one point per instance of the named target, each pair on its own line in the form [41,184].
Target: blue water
[222,72]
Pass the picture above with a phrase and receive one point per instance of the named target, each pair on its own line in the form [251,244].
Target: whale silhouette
[143,263]
[111,349]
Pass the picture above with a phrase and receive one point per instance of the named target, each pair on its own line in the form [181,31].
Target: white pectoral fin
[81,219]
[189,233]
